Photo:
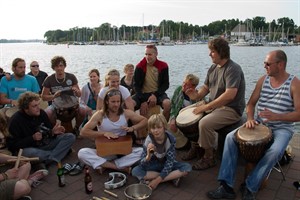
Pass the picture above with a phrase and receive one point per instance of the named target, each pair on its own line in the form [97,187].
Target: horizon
[29,20]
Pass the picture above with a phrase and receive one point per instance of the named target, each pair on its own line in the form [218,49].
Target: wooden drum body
[187,121]
[119,146]
[253,142]
[66,107]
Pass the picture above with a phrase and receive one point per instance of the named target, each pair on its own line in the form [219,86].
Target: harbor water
[182,59]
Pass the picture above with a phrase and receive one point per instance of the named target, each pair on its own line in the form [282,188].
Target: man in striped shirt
[278,107]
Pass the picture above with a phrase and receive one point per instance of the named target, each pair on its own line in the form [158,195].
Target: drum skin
[187,121]
[253,142]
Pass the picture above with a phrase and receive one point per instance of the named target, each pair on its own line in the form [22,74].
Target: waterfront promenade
[192,187]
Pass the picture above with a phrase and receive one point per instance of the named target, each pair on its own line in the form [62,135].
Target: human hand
[152,100]
[199,109]
[110,135]
[12,173]
[251,123]
[267,115]
[58,129]
[154,183]
[37,136]
[56,94]
[76,91]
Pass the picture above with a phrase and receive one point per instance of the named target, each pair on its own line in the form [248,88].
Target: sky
[30,19]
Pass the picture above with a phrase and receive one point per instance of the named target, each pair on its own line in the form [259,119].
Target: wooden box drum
[66,107]
[187,121]
[253,142]
[119,146]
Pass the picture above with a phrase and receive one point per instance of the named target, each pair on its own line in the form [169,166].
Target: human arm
[129,103]
[85,93]
[4,100]
[138,121]
[76,90]
[47,96]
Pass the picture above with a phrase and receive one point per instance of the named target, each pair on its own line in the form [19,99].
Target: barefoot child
[158,162]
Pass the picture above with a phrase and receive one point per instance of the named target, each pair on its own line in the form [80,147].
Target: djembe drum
[187,122]
[253,144]
[66,108]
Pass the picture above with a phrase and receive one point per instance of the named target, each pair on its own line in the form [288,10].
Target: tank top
[115,127]
[278,100]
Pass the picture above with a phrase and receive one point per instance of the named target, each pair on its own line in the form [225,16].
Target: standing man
[151,80]
[277,96]
[59,84]
[18,83]
[37,73]
[31,130]
[226,85]
[111,122]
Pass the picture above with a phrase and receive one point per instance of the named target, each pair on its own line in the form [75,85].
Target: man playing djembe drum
[59,86]
[277,96]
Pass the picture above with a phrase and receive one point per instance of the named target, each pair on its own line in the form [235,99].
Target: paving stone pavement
[192,187]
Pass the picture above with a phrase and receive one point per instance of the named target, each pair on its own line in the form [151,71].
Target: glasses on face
[34,66]
[269,64]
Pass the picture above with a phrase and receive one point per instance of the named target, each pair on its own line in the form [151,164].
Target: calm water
[182,59]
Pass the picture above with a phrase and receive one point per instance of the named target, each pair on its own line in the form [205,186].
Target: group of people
[114,105]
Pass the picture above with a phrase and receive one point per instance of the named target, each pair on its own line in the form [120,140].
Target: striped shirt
[278,100]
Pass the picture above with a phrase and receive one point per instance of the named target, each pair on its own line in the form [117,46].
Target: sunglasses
[34,66]
[269,64]
[113,93]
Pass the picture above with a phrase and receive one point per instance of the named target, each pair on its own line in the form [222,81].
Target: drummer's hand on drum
[37,136]
[56,94]
[199,109]
[192,93]
[267,115]
[251,123]
[76,91]
[110,135]
[144,109]
[152,100]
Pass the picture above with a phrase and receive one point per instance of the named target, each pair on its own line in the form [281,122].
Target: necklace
[62,80]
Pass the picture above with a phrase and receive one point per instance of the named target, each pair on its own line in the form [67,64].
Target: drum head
[10,111]
[258,134]
[65,101]
[187,117]
[43,104]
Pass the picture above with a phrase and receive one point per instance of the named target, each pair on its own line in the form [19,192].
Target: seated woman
[111,122]
[158,162]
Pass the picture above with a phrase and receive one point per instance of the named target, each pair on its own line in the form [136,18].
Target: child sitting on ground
[158,162]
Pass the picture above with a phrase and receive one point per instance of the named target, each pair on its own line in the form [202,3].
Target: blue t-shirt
[13,88]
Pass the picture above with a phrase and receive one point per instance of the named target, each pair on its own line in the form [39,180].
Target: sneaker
[176,182]
[221,193]
[247,194]
[25,198]
[37,176]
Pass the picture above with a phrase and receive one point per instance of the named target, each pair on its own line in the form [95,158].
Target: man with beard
[19,83]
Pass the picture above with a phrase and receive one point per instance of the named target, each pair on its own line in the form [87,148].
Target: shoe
[297,185]
[221,193]
[247,194]
[67,168]
[76,169]
[25,198]
[176,182]
[37,176]
[205,163]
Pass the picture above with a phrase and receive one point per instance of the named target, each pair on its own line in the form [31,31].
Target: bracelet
[4,175]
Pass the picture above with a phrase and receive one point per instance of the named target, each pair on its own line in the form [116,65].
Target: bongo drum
[253,142]
[120,146]
[10,112]
[66,107]
[43,104]
[187,121]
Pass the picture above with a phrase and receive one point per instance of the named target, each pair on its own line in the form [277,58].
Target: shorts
[145,97]
[7,189]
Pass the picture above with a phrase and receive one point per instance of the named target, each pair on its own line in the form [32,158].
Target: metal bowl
[137,191]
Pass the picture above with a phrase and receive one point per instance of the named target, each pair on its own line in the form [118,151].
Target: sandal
[76,169]
[204,163]
[67,168]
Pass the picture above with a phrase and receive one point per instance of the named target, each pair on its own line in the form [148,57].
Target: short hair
[16,61]
[157,120]
[280,56]
[151,46]
[56,60]
[33,62]
[95,71]
[26,98]
[109,93]
[127,67]
[221,46]
[193,79]
[112,72]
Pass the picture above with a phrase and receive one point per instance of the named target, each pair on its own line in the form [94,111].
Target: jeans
[141,171]
[272,155]
[56,150]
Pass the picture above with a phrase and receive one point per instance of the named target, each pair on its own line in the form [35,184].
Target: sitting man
[59,86]
[18,83]
[151,80]
[277,96]
[180,100]
[111,122]
[31,130]
[225,85]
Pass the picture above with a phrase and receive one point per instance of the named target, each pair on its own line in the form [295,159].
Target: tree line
[168,28]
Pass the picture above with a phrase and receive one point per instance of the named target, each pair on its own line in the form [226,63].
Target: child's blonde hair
[157,120]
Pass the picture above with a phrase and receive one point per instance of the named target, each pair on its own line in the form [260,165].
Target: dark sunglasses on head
[34,65]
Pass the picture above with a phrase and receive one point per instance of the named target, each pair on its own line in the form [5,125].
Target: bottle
[60,175]
[88,181]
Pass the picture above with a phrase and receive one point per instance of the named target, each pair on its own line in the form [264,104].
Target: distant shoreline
[20,41]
